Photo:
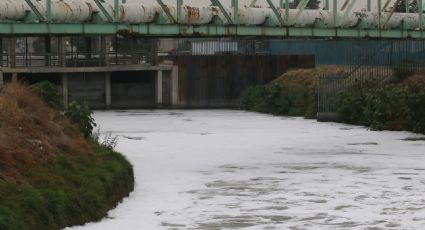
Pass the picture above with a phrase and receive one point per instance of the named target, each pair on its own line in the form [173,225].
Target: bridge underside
[157,30]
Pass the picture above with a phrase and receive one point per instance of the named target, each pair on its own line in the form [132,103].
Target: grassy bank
[397,104]
[292,94]
[51,176]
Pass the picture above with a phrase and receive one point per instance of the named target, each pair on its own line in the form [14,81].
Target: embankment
[50,175]
[398,103]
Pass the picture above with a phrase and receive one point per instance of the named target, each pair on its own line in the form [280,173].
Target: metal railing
[77,59]
[378,65]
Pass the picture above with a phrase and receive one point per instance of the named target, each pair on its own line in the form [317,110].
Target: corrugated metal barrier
[218,80]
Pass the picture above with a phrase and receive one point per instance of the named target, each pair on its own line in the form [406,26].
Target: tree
[401,6]
[312,4]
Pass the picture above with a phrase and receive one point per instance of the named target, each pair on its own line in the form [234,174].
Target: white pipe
[134,12]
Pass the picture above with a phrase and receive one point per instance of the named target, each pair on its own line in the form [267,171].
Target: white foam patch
[224,169]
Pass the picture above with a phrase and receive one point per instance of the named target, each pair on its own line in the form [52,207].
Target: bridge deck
[208,30]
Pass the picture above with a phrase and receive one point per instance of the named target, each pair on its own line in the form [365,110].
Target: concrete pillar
[12,52]
[12,57]
[1,79]
[62,62]
[105,45]
[65,89]
[175,86]
[103,51]
[134,51]
[108,98]
[153,51]
[47,50]
[89,47]
[62,51]
[159,86]
[1,52]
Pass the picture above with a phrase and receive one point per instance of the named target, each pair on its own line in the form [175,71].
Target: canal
[224,169]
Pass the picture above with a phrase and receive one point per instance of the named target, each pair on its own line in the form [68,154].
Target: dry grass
[31,132]
[415,82]
[308,76]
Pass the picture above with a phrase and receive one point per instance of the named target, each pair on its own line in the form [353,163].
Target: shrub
[252,97]
[49,93]
[82,116]
[403,70]
[311,99]
[386,107]
[416,104]
[350,106]
[274,99]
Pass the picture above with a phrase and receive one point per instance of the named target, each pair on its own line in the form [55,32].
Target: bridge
[143,18]
[106,74]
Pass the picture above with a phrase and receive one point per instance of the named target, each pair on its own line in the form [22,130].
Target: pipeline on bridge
[81,11]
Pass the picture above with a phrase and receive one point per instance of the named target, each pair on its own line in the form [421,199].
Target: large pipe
[78,11]
[13,9]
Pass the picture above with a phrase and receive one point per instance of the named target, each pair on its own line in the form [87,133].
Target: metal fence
[378,63]
[349,51]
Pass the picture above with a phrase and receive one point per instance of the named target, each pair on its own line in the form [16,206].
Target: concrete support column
[62,62]
[108,98]
[62,51]
[12,57]
[102,51]
[65,89]
[175,86]
[105,45]
[47,50]
[153,51]
[1,52]
[12,52]
[89,47]
[159,86]
[134,51]
[1,79]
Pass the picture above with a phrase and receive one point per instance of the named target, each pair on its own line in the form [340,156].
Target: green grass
[71,190]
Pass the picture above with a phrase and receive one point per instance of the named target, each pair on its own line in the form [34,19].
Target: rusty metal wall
[218,81]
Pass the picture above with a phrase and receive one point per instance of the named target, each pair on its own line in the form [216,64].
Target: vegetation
[50,175]
[394,106]
[293,94]
[79,114]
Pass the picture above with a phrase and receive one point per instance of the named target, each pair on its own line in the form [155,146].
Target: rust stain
[91,10]
[122,13]
[386,4]
[215,11]
[193,13]
[345,4]
[67,9]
